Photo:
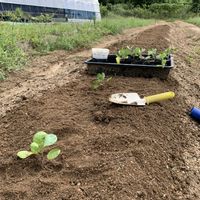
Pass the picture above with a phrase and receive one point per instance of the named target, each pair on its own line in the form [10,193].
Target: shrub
[155,10]
[169,10]
[104,11]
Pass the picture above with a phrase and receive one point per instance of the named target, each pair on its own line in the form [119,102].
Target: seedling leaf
[24,154]
[101,76]
[35,147]
[39,137]
[40,141]
[50,139]
[53,154]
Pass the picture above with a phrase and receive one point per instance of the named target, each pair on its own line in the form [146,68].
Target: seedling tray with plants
[134,62]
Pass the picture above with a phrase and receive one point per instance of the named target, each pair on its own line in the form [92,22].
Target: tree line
[148,2]
[195,4]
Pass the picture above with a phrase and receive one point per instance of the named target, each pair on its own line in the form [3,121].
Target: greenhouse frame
[74,10]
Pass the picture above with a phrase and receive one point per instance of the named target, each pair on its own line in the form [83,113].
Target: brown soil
[108,151]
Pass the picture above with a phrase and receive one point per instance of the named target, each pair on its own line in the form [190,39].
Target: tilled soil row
[108,151]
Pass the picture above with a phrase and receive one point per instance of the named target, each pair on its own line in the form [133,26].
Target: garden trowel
[135,100]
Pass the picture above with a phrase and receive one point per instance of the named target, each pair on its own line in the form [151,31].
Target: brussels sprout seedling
[40,141]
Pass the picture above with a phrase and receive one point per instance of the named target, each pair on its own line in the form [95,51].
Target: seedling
[40,141]
[137,52]
[123,54]
[163,56]
[152,53]
[100,80]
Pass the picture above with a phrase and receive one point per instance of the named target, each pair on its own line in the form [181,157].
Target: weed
[40,141]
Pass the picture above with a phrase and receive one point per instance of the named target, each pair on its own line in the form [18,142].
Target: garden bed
[107,151]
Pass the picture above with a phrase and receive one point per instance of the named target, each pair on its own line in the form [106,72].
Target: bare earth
[108,151]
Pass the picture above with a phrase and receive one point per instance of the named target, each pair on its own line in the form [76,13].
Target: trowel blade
[127,99]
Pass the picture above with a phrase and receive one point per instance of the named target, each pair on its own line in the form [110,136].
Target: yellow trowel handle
[159,97]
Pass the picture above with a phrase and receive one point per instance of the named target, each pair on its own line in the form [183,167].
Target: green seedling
[163,56]
[100,80]
[40,141]
[137,52]
[152,53]
[123,54]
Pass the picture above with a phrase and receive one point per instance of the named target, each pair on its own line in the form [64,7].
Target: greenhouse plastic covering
[85,5]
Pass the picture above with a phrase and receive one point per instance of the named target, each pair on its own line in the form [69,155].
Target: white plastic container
[99,53]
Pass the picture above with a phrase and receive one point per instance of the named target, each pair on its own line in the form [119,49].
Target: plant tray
[147,70]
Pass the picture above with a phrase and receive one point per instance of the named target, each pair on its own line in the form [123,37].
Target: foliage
[128,51]
[144,2]
[163,56]
[15,16]
[43,18]
[20,16]
[196,6]
[123,54]
[194,20]
[152,53]
[49,37]
[11,56]
[169,10]
[40,141]
[100,81]
[138,53]
[104,11]
[154,10]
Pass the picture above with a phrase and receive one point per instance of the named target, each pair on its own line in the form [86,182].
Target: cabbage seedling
[152,53]
[137,52]
[123,54]
[100,80]
[163,56]
[40,141]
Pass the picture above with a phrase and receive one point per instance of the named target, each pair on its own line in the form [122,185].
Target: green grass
[58,36]
[194,20]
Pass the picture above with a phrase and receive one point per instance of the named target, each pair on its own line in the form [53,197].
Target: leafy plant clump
[100,81]
[137,54]
[123,54]
[40,141]
[152,53]
[163,56]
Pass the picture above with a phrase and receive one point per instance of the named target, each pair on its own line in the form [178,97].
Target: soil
[108,151]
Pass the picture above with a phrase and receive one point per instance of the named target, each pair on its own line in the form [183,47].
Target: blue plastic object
[195,113]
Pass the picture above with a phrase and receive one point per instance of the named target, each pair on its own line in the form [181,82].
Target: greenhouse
[69,9]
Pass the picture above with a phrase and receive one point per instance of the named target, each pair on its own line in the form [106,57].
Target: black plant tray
[126,68]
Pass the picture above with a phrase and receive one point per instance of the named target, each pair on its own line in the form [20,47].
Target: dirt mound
[156,37]
[108,151]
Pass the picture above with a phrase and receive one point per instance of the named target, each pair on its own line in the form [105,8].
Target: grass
[194,20]
[58,36]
